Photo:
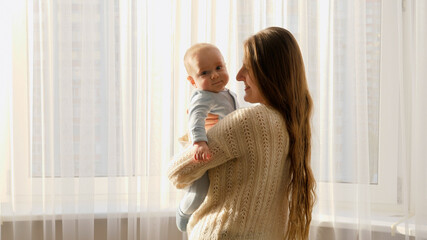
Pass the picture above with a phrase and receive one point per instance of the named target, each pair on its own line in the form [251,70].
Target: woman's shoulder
[257,110]
[253,115]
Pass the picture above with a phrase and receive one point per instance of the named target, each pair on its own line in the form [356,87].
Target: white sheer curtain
[92,124]
[92,117]
[93,98]
[412,76]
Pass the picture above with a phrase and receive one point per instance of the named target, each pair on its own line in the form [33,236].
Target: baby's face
[208,70]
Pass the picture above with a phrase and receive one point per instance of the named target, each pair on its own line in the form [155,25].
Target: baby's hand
[201,151]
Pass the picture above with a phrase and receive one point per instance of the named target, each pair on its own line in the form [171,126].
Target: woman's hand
[201,151]
[211,120]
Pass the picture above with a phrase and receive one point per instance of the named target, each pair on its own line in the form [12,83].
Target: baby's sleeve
[200,105]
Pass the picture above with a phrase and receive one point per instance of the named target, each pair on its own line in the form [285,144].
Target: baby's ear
[191,80]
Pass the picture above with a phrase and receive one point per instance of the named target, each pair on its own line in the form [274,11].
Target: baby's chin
[214,89]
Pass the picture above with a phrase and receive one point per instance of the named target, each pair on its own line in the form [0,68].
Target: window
[83,80]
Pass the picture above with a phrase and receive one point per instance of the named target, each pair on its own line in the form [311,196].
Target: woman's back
[247,193]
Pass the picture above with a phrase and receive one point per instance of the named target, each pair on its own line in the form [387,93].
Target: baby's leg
[195,195]
[182,220]
[192,200]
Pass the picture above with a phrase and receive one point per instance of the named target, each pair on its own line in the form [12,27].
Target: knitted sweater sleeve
[223,141]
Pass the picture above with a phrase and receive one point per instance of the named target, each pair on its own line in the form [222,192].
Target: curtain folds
[413,115]
[93,99]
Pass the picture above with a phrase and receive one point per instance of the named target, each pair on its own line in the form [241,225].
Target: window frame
[384,195]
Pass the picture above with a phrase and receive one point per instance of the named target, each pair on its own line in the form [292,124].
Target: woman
[261,183]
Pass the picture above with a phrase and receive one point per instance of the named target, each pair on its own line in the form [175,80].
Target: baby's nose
[214,75]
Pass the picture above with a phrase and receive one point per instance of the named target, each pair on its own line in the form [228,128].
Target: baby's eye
[204,73]
[218,68]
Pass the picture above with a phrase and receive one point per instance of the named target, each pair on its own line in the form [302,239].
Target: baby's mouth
[216,83]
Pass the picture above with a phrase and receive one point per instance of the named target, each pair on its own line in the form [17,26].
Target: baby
[208,74]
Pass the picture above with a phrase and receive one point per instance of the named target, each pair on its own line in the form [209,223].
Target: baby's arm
[201,149]
[200,105]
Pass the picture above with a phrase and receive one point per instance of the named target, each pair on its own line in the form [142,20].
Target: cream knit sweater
[248,173]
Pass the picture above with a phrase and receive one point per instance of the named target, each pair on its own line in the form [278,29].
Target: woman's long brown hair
[274,59]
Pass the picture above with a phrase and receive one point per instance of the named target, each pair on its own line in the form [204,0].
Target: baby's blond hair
[191,51]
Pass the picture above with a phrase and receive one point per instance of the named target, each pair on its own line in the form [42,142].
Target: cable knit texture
[248,174]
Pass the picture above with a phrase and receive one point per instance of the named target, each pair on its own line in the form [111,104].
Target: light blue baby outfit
[202,103]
